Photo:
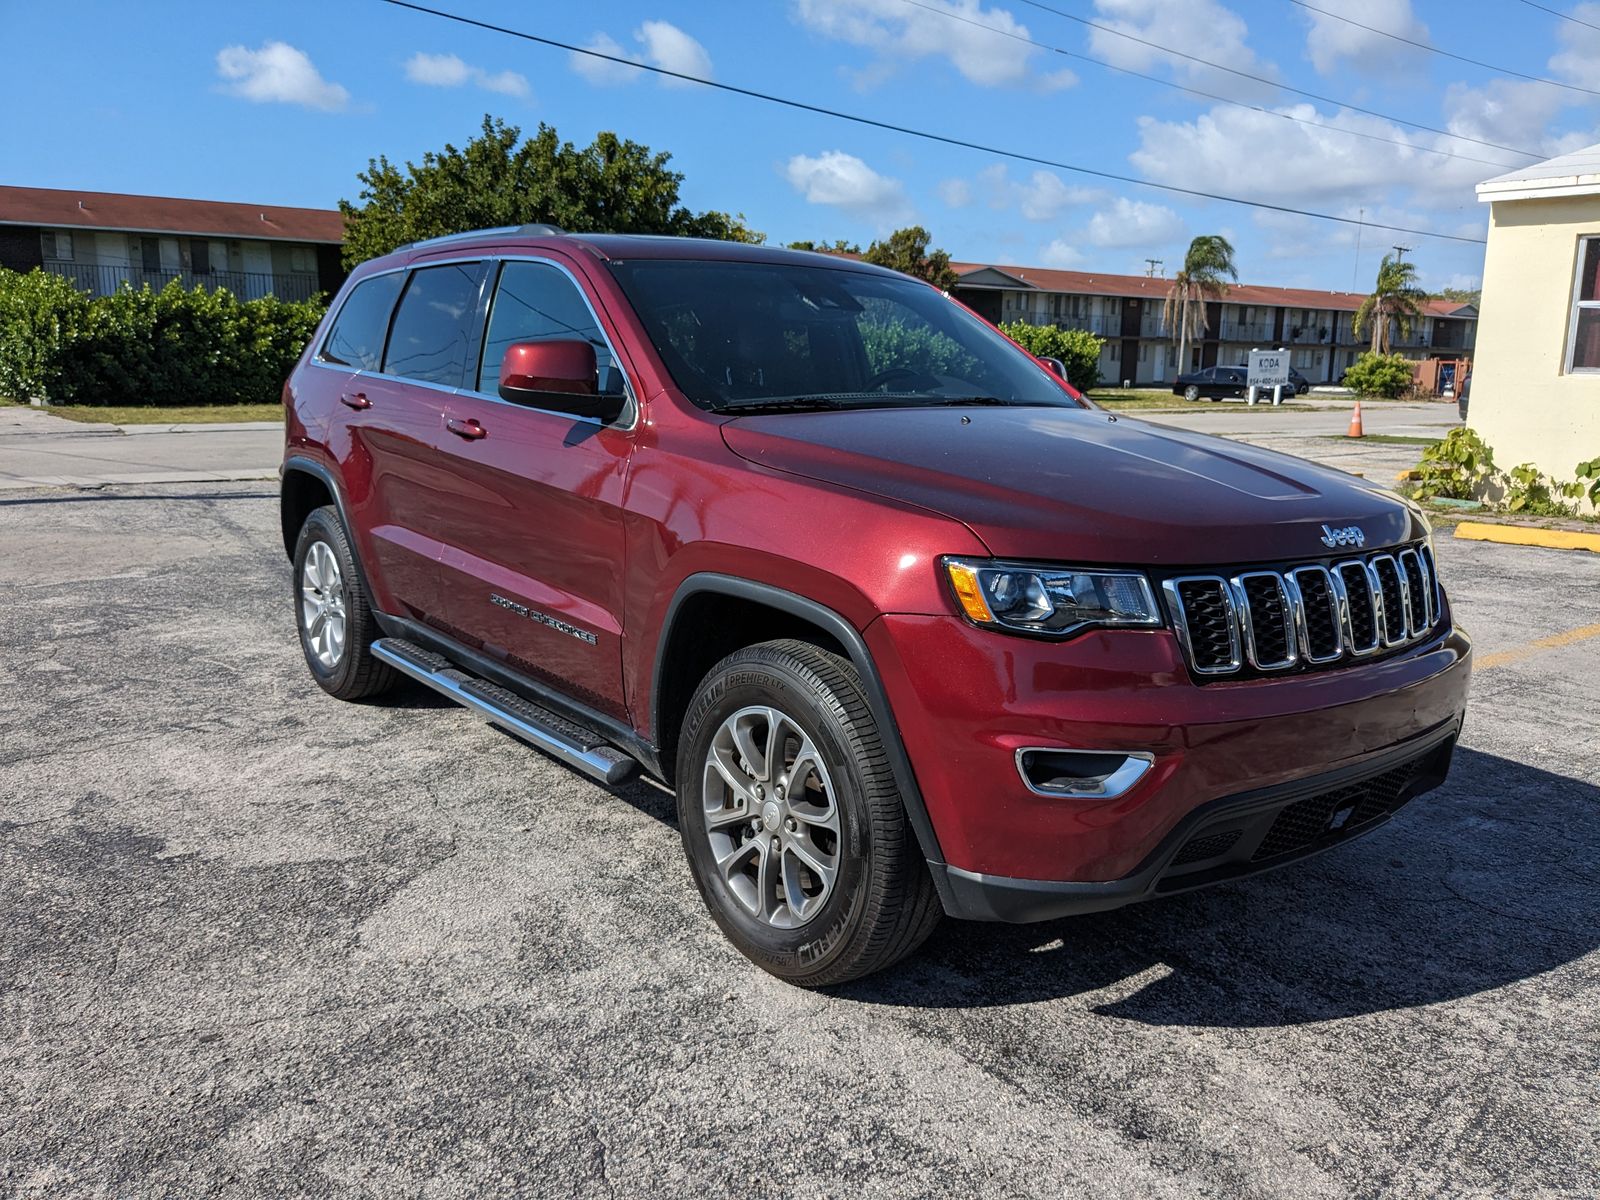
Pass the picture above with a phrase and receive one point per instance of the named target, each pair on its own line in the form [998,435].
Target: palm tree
[1396,298]
[1209,259]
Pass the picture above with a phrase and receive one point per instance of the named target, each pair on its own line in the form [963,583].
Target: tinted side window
[356,339]
[432,335]
[536,302]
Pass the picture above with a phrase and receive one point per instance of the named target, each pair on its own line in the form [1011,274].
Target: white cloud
[845,182]
[1061,255]
[278,73]
[1580,46]
[663,45]
[901,33]
[1134,223]
[446,70]
[1333,43]
[957,193]
[671,49]
[1203,27]
[1042,196]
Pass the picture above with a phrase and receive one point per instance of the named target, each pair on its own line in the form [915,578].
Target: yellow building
[1536,384]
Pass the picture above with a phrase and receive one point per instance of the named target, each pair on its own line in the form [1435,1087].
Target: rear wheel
[791,820]
[1191,393]
[333,612]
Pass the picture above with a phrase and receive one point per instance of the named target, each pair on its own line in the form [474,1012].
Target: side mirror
[1055,366]
[558,375]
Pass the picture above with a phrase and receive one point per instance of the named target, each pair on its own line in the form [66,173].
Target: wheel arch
[698,630]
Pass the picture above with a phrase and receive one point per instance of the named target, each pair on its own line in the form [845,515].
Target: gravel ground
[256,942]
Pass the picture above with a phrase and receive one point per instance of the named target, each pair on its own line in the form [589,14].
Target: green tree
[1396,298]
[1206,268]
[1472,296]
[610,186]
[837,246]
[906,250]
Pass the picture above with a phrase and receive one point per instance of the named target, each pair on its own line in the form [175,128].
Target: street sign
[1269,369]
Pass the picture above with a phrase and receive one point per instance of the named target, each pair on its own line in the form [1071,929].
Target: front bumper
[1226,839]
[965,700]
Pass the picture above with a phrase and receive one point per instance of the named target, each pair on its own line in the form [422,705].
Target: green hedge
[1387,375]
[170,347]
[1077,348]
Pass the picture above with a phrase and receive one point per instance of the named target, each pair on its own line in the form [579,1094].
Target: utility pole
[1400,253]
[1355,267]
[1154,264]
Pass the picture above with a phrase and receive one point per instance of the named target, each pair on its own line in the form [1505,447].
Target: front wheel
[334,614]
[1191,393]
[793,826]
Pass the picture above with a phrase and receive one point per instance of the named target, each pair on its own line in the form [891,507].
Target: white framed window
[57,245]
[1583,333]
[302,259]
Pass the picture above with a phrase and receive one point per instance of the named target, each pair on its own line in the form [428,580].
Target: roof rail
[535,229]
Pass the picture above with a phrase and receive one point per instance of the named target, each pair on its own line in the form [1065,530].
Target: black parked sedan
[1220,383]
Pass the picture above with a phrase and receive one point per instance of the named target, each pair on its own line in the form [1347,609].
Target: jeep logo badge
[1350,535]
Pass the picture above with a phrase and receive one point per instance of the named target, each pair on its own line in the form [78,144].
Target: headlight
[1052,601]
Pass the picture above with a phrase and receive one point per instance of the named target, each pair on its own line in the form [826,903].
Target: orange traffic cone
[1355,422]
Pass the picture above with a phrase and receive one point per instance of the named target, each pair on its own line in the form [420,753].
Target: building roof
[1098,283]
[1575,174]
[67,209]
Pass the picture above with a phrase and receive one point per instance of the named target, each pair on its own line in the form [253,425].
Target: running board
[563,740]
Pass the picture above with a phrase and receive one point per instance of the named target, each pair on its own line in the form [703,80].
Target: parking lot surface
[257,942]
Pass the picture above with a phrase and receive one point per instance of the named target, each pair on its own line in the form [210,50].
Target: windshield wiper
[781,404]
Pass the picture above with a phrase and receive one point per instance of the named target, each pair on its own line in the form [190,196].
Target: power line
[925,135]
[1169,83]
[1432,49]
[1273,83]
[1556,12]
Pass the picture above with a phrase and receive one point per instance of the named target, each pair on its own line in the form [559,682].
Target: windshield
[742,335]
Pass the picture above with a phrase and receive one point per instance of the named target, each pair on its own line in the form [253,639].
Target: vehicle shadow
[1491,879]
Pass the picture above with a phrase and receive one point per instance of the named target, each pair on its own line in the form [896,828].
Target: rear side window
[432,335]
[536,302]
[356,339]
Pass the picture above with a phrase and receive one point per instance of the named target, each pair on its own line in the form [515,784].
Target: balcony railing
[1104,326]
[1238,331]
[102,280]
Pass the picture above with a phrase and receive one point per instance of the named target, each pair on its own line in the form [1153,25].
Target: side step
[563,740]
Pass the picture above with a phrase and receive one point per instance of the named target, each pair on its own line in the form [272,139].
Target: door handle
[469,429]
[355,400]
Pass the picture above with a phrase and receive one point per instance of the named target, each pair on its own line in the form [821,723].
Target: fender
[860,657]
[310,466]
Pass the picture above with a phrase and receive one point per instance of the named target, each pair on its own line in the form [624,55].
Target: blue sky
[284,102]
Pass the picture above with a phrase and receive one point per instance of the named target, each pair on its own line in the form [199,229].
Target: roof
[1575,174]
[67,209]
[1098,283]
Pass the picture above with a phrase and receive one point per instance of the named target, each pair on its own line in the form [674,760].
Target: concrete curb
[1524,535]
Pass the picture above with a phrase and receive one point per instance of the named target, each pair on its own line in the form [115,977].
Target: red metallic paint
[599,525]
[548,367]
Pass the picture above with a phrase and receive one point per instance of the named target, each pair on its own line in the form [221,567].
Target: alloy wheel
[772,817]
[322,605]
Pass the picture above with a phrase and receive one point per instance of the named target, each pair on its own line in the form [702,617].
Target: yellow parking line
[1517,653]
[1526,535]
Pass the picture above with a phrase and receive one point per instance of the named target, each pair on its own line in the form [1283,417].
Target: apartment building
[105,240]
[1316,327]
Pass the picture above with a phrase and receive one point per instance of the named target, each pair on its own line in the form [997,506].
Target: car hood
[1080,484]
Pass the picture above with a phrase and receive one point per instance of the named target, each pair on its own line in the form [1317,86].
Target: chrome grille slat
[1309,615]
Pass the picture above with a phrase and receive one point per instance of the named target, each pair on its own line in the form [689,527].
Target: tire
[1191,393]
[344,667]
[880,903]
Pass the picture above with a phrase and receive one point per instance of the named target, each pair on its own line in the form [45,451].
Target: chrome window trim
[1121,781]
[1180,622]
[1246,618]
[630,416]
[1336,598]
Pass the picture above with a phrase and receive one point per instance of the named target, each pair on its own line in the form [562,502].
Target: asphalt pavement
[255,942]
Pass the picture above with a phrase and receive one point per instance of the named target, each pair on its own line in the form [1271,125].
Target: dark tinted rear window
[356,339]
[432,335]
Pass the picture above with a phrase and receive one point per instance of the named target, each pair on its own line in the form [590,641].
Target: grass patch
[215,414]
[1383,439]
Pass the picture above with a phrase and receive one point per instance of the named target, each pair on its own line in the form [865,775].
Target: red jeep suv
[910,627]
